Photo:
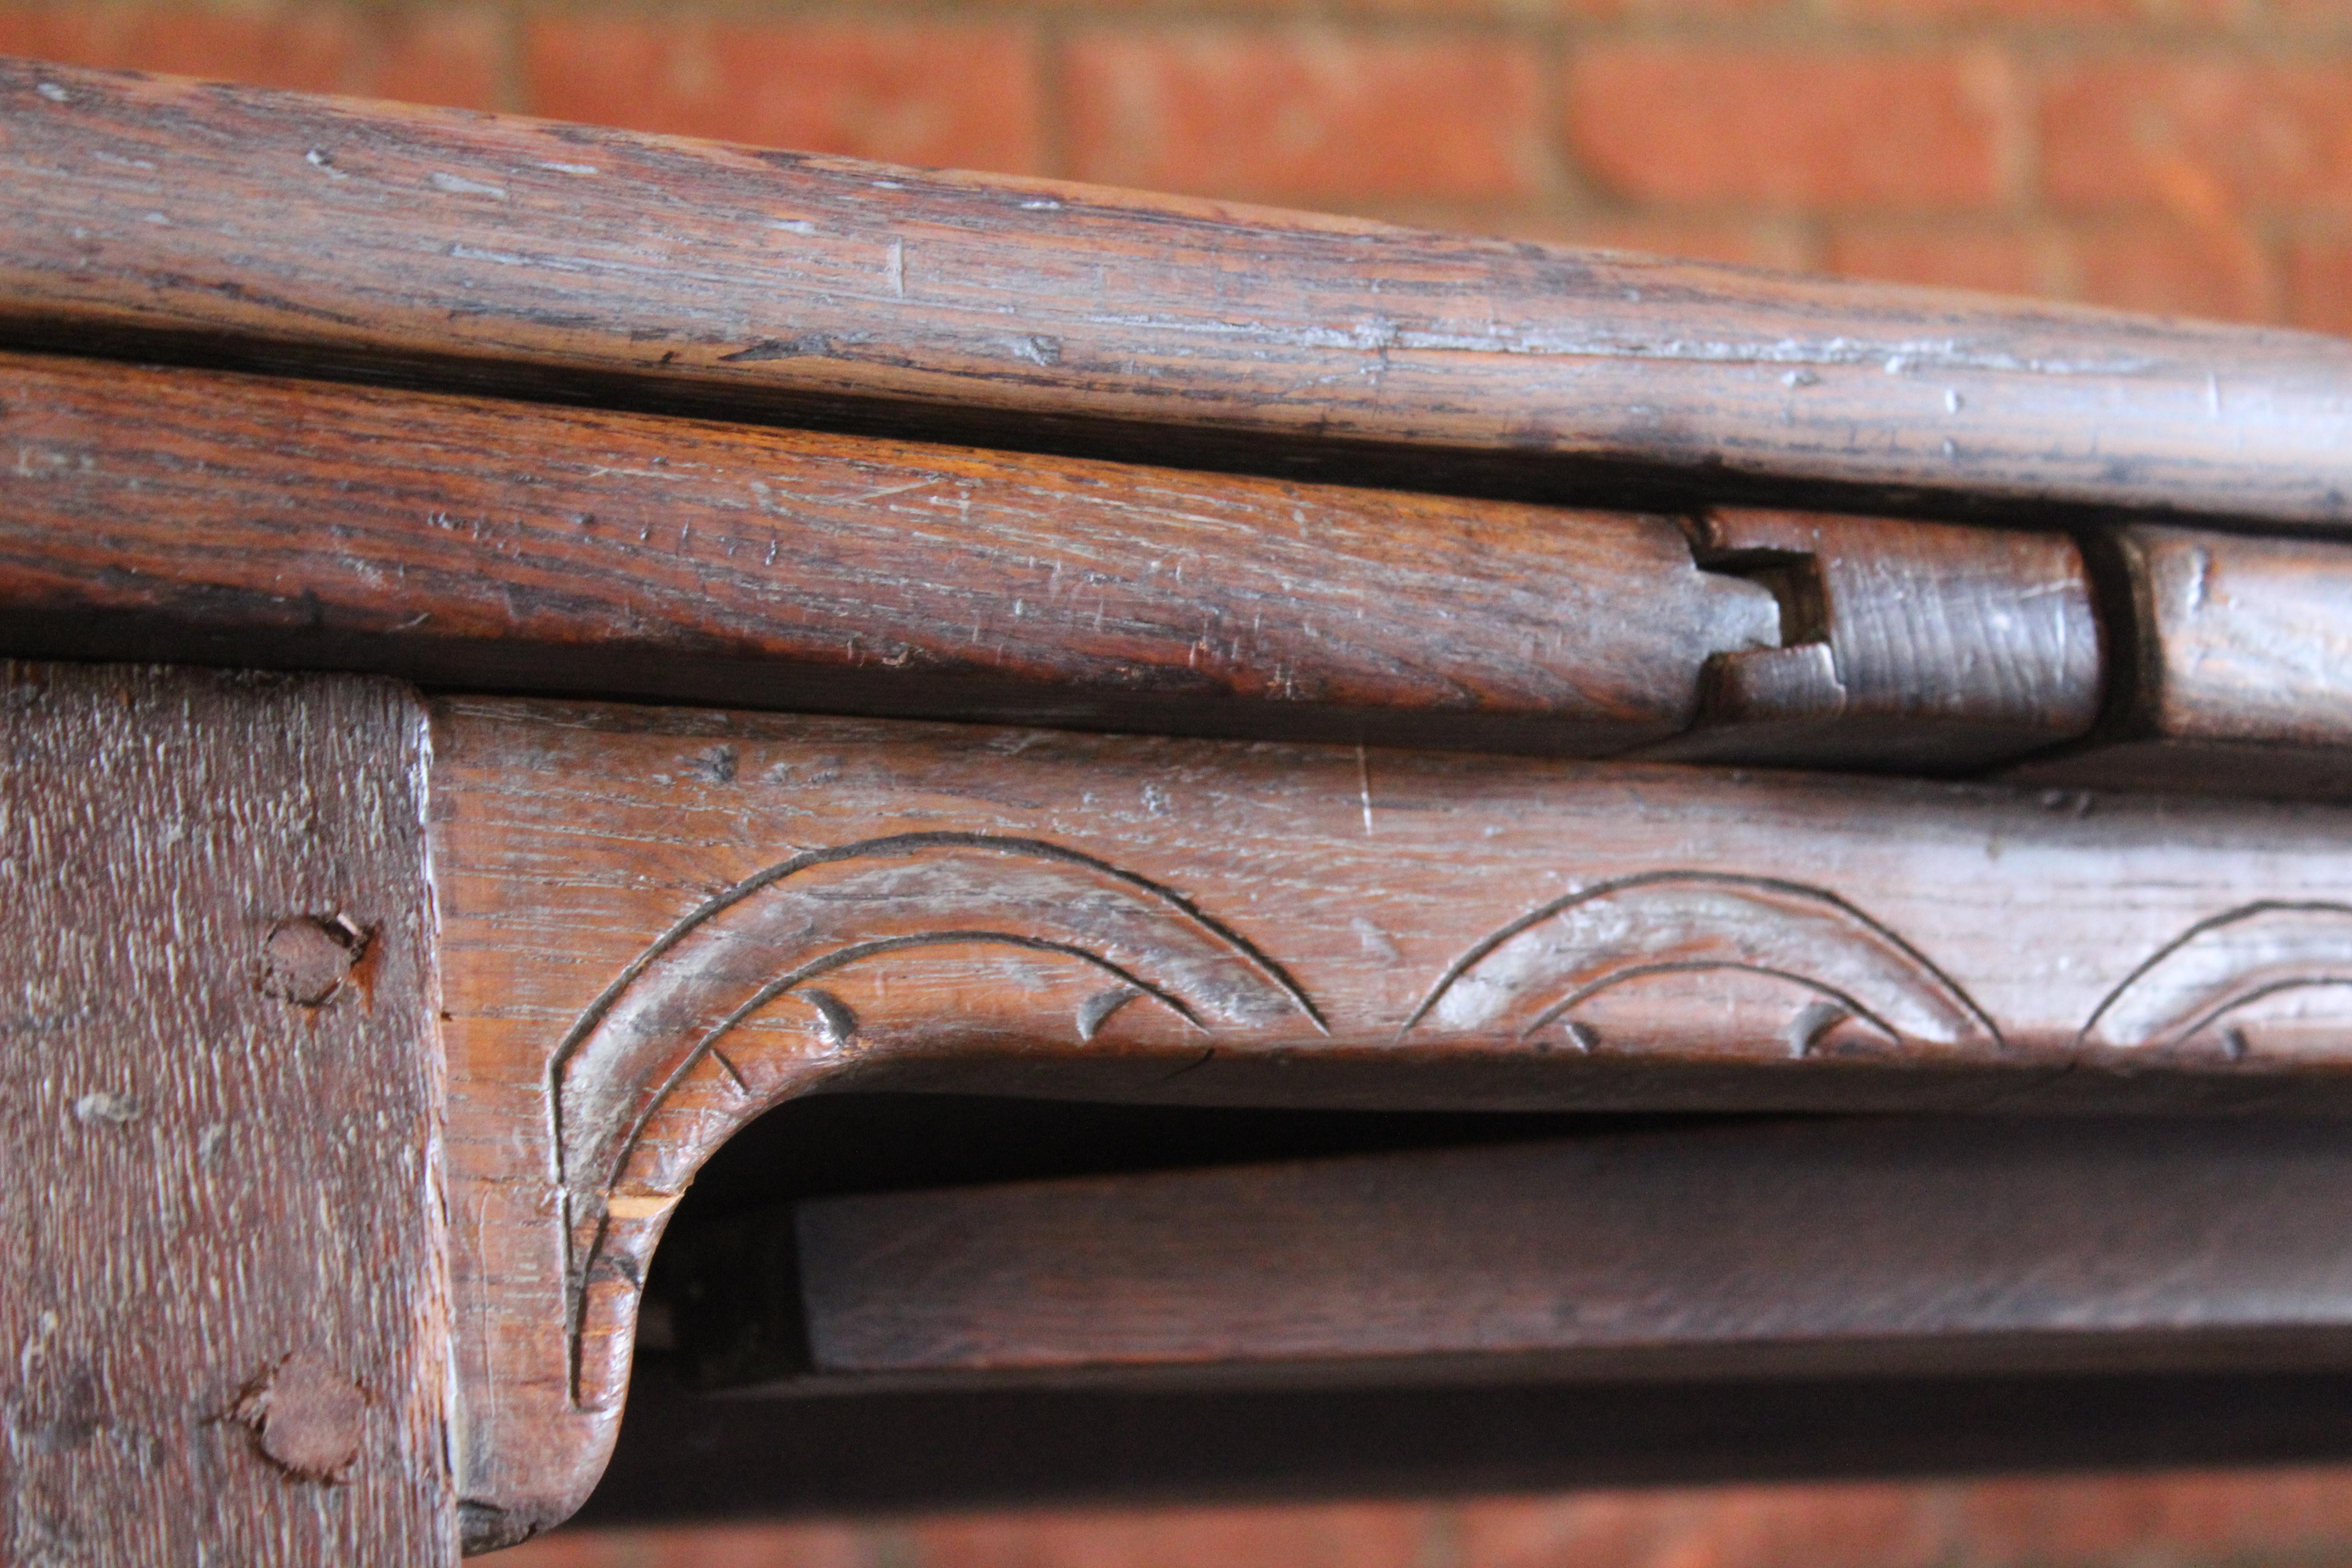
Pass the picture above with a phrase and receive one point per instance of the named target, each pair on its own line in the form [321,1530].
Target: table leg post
[223,1282]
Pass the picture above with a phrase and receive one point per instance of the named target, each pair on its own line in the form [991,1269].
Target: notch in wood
[1903,645]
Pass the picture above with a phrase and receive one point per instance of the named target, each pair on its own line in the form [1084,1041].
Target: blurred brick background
[2290,1519]
[2186,156]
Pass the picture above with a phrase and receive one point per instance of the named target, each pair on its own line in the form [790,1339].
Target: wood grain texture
[192,515]
[2237,671]
[227,1309]
[659,923]
[1884,1245]
[1911,647]
[241,225]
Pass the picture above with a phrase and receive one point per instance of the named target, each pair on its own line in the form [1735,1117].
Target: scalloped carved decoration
[666,1064]
[1839,970]
[2206,984]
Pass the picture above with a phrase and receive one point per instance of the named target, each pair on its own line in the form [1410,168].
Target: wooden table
[1247,852]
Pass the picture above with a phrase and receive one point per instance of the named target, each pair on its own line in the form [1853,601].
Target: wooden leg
[225,1316]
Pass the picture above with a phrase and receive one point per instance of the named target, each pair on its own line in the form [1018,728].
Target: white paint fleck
[53,92]
[583,170]
[1041,204]
[458,186]
[101,1107]
[1375,941]
[509,259]
[35,1347]
[894,268]
[794,225]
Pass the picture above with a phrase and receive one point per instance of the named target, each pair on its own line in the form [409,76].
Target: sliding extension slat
[198,516]
[2234,668]
[1881,1247]
[241,520]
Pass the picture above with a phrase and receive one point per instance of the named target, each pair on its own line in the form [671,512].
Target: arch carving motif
[644,1086]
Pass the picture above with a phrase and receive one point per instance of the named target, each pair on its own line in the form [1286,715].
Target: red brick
[1366,1535]
[1276,12]
[2170,268]
[2001,259]
[1682,10]
[1833,129]
[315,50]
[964,94]
[2319,285]
[1741,244]
[1730,1527]
[1307,115]
[2204,139]
[2046,12]
[2332,14]
[700,1546]
[2305,1515]
[446,57]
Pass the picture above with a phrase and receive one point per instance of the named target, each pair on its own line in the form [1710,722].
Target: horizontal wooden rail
[2233,667]
[194,516]
[1876,1247]
[236,226]
[656,924]
[201,517]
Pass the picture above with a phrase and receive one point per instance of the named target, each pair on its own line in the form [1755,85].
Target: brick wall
[2294,1519]
[2190,155]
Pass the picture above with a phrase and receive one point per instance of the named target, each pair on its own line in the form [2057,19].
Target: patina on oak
[191,514]
[1873,1246]
[657,923]
[2235,670]
[275,230]
[194,515]
[226,1308]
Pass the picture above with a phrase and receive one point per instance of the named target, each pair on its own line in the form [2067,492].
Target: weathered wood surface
[239,226]
[227,1309]
[1883,1245]
[2236,668]
[1911,647]
[192,515]
[659,923]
